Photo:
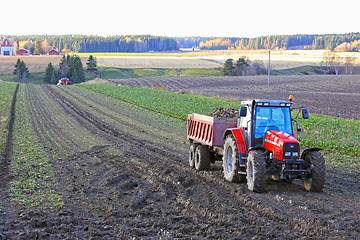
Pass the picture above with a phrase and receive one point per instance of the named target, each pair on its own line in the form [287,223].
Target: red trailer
[208,130]
[260,142]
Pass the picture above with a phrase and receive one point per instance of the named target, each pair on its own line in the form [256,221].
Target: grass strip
[171,103]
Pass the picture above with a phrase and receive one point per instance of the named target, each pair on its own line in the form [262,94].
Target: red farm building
[7,48]
[54,51]
[22,51]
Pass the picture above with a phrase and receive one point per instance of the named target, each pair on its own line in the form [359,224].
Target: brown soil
[122,172]
[337,96]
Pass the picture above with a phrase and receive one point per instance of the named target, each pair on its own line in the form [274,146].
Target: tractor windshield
[271,118]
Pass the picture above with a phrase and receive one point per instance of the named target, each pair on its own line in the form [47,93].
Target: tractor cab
[268,124]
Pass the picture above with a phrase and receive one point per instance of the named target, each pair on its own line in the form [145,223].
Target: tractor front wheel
[255,170]
[316,162]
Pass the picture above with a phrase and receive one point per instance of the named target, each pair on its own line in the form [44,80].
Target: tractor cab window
[271,118]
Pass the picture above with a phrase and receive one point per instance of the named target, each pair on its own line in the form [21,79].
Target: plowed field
[337,96]
[120,171]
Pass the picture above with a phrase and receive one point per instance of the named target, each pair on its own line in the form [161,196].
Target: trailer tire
[231,160]
[256,171]
[316,162]
[202,158]
[192,155]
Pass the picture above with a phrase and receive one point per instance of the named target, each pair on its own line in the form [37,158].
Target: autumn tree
[349,62]
[241,66]
[37,50]
[332,62]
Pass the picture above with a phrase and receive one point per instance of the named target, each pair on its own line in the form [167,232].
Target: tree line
[299,41]
[39,44]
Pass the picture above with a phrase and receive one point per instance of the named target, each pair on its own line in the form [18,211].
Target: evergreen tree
[228,68]
[49,73]
[91,64]
[63,66]
[17,64]
[21,71]
[75,71]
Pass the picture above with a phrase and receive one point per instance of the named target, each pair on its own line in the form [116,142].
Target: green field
[120,73]
[333,134]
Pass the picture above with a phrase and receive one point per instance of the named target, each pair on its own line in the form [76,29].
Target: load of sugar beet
[224,112]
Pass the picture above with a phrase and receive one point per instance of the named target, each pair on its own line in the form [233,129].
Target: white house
[7,48]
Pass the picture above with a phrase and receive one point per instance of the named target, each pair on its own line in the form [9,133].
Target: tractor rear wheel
[192,155]
[202,158]
[255,170]
[316,162]
[231,160]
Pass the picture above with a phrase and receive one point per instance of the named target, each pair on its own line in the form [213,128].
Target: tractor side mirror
[305,113]
[243,111]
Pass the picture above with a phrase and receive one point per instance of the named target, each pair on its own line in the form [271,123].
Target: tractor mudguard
[239,138]
[306,151]
[240,142]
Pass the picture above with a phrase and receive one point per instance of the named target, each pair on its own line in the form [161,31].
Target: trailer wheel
[231,160]
[202,158]
[316,162]
[192,155]
[255,170]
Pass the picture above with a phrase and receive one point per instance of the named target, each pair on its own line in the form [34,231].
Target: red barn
[54,51]
[22,52]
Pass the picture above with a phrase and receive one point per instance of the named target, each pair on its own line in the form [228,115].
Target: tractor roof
[267,103]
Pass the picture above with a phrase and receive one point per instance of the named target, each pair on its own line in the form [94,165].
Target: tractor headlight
[287,154]
[295,154]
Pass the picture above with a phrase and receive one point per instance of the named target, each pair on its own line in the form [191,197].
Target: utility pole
[269,71]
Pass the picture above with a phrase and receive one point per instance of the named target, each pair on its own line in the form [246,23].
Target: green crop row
[6,96]
[32,172]
[6,92]
[171,103]
[337,135]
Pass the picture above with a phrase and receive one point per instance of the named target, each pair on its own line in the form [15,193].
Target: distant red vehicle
[64,81]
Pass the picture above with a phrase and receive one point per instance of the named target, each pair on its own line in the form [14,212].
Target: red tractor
[64,81]
[260,142]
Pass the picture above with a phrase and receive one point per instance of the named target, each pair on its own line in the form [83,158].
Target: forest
[149,43]
[298,41]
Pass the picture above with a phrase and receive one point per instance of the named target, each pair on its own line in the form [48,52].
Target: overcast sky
[225,18]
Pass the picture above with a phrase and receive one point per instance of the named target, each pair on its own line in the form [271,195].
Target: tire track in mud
[269,212]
